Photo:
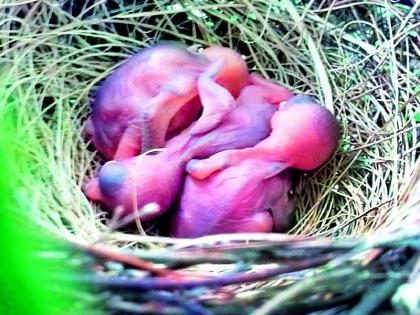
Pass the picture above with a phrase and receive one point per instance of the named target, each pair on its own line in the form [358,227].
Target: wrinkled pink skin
[154,95]
[304,136]
[246,197]
[158,178]
[135,182]
[245,123]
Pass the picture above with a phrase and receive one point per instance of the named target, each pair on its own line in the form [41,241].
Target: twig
[377,294]
[302,288]
[176,284]
[132,261]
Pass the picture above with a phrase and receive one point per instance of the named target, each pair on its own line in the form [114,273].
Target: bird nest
[354,243]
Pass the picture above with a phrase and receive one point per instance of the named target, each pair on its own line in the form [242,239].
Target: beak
[92,190]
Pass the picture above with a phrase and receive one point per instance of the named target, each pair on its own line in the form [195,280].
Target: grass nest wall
[353,216]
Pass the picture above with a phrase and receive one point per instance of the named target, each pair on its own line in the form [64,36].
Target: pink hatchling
[154,95]
[304,136]
[246,197]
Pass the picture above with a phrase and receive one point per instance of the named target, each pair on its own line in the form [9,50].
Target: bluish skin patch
[300,99]
[191,165]
[111,179]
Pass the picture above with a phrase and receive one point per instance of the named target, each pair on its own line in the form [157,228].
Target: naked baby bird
[158,178]
[153,95]
[246,190]
[244,198]
[304,135]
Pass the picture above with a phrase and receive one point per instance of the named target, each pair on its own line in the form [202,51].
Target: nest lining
[358,60]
